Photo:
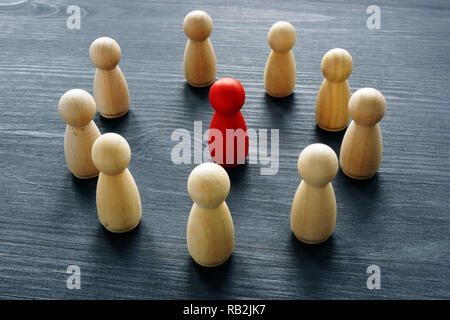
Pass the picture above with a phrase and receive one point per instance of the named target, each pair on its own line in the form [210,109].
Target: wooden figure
[199,56]
[77,108]
[313,213]
[332,100]
[280,72]
[118,200]
[110,87]
[362,147]
[210,231]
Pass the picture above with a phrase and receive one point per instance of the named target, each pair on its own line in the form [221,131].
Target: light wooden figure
[199,56]
[313,213]
[362,147]
[280,72]
[110,87]
[332,99]
[118,200]
[77,108]
[210,231]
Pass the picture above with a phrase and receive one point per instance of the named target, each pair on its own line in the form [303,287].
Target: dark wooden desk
[399,220]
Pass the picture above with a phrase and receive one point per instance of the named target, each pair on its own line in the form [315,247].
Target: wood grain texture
[280,72]
[118,202]
[313,211]
[210,231]
[362,145]
[77,108]
[334,93]
[110,87]
[199,57]
[398,220]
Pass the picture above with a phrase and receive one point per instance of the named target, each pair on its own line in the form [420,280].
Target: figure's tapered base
[278,95]
[309,241]
[227,165]
[331,129]
[87,177]
[230,165]
[212,265]
[113,116]
[122,230]
[201,85]
[357,177]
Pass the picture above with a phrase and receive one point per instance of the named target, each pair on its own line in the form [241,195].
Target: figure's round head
[105,53]
[337,65]
[208,185]
[367,106]
[111,153]
[227,96]
[76,107]
[317,164]
[197,25]
[282,36]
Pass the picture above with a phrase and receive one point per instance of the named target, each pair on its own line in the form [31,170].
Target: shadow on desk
[313,254]
[214,278]
[366,195]
[120,241]
[196,99]
[315,260]
[279,109]
[280,103]
[85,188]
[331,139]
[116,124]
[199,93]
[237,174]
[122,249]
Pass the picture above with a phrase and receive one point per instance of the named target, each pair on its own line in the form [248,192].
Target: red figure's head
[227,96]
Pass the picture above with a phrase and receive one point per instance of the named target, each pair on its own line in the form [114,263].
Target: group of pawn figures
[210,230]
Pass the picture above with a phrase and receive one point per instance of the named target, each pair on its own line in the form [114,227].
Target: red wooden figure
[228,139]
